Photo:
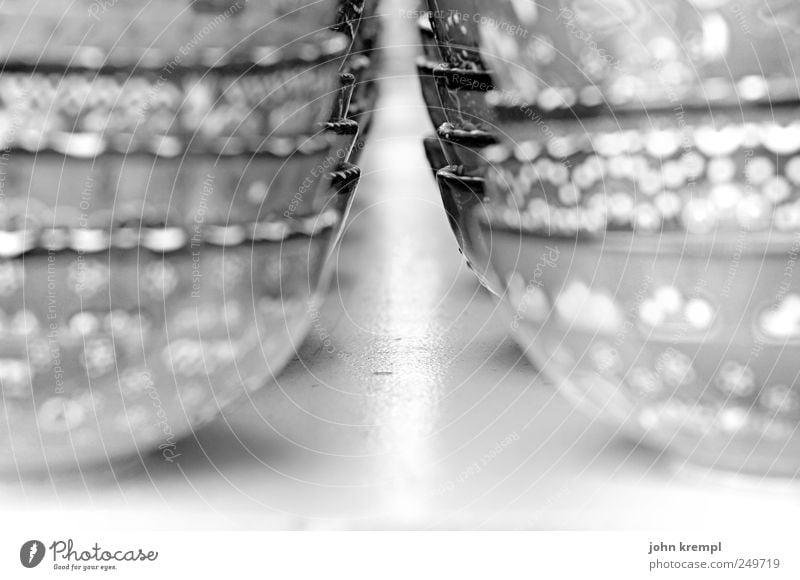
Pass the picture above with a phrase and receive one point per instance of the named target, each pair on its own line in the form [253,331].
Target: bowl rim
[316,48]
[723,243]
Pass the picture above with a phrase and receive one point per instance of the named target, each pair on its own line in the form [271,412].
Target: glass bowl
[122,341]
[641,219]
[166,225]
[455,28]
[166,32]
[671,313]
[429,49]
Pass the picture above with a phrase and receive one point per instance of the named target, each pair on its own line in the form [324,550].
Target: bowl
[462,96]
[455,28]
[341,106]
[430,92]
[166,219]
[124,340]
[588,55]
[454,91]
[463,197]
[464,149]
[456,105]
[677,341]
[247,98]
[165,32]
[365,95]
[362,24]
[68,187]
[434,153]
[455,96]
[428,47]
[642,232]
[365,91]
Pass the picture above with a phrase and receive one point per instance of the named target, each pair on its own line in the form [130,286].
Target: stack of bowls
[174,178]
[454,82]
[642,215]
[362,24]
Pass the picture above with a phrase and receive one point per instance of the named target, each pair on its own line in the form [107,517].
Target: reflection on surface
[406,358]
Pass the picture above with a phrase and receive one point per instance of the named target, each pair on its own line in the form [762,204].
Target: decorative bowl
[123,340]
[189,103]
[365,91]
[464,149]
[455,27]
[165,32]
[63,188]
[643,231]
[362,24]
[463,197]
[579,57]
[455,96]
[462,96]
[169,203]
[681,341]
